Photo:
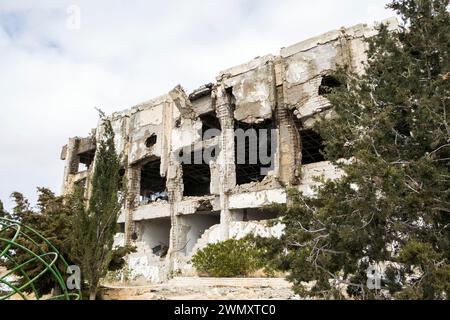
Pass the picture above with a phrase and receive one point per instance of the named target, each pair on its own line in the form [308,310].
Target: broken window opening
[312,146]
[85,160]
[327,84]
[151,141]
[209,121]
[247,170]
[231,97]
[121,227]
[153,186]
[197,175]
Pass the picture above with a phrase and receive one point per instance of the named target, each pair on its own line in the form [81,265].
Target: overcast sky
[53,74]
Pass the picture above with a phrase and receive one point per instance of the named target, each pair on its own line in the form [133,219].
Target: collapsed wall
[209,162]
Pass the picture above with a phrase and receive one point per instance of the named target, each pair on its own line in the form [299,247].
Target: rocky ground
[194,288]
[197,288]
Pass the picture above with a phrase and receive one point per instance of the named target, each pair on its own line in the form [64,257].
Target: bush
[230,258]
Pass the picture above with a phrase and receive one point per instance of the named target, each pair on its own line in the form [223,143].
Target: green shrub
[230,258]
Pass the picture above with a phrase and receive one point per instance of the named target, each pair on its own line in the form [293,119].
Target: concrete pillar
[289,151]
[226,159]
[71,164]
[175,194]
[133,177]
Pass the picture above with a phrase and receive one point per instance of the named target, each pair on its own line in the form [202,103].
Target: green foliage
[393,204]
[82,231]
[3,213]
[94,224]
[230,258]
[51,218]
[272,254]
[117,260]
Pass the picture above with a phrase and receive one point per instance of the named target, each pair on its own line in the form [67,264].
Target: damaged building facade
[175,206]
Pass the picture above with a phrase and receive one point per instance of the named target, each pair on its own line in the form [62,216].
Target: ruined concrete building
[174,207]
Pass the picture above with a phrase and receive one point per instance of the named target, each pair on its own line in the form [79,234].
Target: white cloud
[51,78]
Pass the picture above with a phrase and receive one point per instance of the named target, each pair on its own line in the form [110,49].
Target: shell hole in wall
[327,84]
[151,141]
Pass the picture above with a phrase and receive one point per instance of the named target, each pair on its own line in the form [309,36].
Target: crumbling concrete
[175,207]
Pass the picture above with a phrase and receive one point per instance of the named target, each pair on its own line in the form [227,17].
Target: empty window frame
[247,169]
[153,186]
[312,146]
[196,176]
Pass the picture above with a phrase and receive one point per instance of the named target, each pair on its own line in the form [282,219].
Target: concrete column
[226,159]
[289,151]
[175,194]
[133,176]
[225,218]
[71,164]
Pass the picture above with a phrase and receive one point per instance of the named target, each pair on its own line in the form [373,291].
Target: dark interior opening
[121,227]
[312,146]
[231,97]
[258,214]
[247,172]
[153,186]
[327,84]
[194,226]
[87,158]
[209,121]
[156,234]
[151,141]
[196,176]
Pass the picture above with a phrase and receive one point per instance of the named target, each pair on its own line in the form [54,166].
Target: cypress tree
[94,224]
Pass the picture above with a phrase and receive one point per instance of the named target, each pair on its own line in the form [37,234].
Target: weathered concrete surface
[253,88]
[152,211]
